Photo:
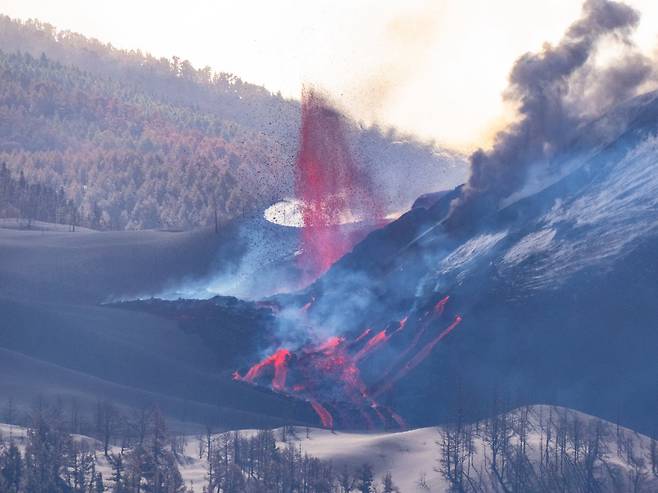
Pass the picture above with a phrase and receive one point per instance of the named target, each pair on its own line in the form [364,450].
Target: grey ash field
[59,341]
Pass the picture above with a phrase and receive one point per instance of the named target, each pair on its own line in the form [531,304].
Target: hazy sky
[435,68]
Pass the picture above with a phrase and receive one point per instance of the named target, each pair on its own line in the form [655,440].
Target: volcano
[546,299]
[561,274]
[553,288]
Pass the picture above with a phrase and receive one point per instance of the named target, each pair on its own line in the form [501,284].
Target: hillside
[143,162]
[59,342]
[550,290]
[581,452]
[142,143]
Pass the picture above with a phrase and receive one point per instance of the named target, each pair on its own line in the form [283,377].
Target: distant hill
[140,142]
[581,453]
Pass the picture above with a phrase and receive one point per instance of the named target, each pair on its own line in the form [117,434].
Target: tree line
[556,450]
[172,79]
[135,453]
[532,449]
[257,463]
[53,460]
[30,202]
[140,162]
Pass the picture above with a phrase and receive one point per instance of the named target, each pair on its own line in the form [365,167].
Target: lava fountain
[332,188]
[341,377]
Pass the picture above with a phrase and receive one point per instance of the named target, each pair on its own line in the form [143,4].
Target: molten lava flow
[417,358]
[330,186]
[398,419]
[331,344]
[278,360]
[308,305]
[363,335]
[438,310]
[372,343]
[441,305]
[427,349]
[328,374]
[325,417]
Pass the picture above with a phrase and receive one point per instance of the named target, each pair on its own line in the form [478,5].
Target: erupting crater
[341,377]
[329,374]
[332,189]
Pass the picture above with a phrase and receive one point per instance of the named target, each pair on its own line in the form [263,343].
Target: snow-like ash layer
[415,454]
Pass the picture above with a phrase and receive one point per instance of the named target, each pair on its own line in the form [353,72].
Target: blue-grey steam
[557,91]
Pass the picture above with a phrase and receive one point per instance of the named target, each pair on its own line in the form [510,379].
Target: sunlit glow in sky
[433,68]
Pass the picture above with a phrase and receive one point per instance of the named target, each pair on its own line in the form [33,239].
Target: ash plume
[556,91]
[406,43]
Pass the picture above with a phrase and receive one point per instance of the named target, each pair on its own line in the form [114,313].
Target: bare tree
[653,453]
[345,480]
[388,486]
[593,454]
[107,418]
[497,435]
[421,482]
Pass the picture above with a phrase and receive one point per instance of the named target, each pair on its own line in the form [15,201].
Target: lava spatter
[331,187]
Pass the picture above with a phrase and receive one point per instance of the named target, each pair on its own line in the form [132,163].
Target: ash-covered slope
[58,341]
[555,289]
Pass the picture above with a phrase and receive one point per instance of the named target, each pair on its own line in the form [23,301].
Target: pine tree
[46,455]
[119,478]
[99,486]
[388,485]
[152,466]
[365,479]
[11,469]
[345,480]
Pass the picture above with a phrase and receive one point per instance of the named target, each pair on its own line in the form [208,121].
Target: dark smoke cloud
[615,83]
[556,91]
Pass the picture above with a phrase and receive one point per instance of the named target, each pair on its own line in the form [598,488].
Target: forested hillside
[27,202]
[144,162]
[142,142]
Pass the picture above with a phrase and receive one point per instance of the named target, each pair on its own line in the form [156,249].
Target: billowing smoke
[556,91]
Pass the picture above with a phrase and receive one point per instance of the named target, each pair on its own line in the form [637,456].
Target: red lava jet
[329,375]
[331,187]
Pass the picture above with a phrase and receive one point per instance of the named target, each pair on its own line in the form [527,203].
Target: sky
[432,68]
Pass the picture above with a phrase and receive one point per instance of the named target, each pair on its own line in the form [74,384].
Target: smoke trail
[556,91]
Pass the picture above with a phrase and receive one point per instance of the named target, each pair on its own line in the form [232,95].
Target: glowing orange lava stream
[329,373]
